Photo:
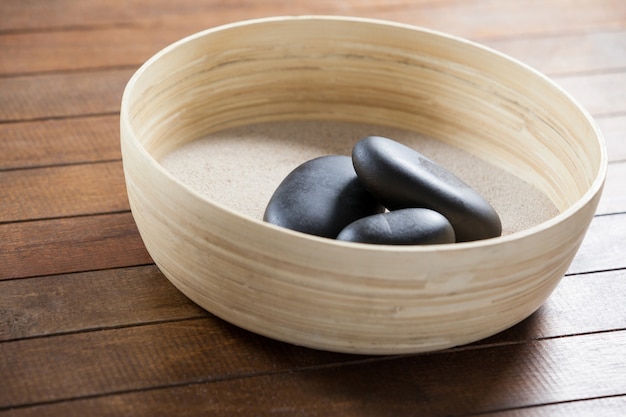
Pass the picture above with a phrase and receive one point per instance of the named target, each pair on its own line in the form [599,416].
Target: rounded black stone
[321,197]
[400,177]
[413,226]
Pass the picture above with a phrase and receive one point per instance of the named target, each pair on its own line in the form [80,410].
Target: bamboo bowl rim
[595,187]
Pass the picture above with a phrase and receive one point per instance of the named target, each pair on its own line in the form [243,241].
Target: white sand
[242,167]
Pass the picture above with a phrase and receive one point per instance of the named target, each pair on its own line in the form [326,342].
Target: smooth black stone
[400,177]
[413,226]
[321,197]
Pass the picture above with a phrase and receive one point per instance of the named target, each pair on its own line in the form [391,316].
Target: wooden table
[89,326]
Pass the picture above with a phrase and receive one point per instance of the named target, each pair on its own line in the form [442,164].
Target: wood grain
[91,139]
[613,197]
[76,49]
[576,53]
[130,46]
[109,361]
[80,140]
[458,382]
[599,93]
[93,300]
[211,253]
[62,191]
[488,19]
[89,326]
[577,306]
[99,188]
[478,19]
[70,245]
[98,92]
[61,95]
[58,142]
[604,246]
[614,131]
[83,301]
[45,16]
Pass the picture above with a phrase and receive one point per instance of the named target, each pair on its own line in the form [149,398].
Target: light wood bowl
[342,296]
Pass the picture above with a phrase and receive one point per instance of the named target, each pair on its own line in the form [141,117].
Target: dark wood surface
[89,326]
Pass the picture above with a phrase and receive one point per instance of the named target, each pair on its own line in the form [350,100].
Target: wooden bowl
[349,297]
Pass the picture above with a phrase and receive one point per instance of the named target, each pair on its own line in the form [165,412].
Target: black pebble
[400,177]
[413,226]
[321,197]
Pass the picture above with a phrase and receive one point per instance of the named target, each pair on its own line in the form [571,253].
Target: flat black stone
[400,177]
[413,226]
[321,197]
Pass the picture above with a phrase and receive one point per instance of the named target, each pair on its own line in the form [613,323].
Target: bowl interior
[242,167]
[331,69]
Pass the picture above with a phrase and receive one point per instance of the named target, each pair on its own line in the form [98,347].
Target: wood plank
[83,364]
[604,246]
[93,300]
[580,304]
[62,191]
[130,46]
[100,343]
[122,405]
[598,252]
[45,16]
[58,142]
[568,54]
[493,19]
[69,141]
[600,94]
[84,49]
[99,188]
[614,131]
[614,196]
[89,93]
[93,139]
[90,301]
[476,19]
[67,245]
[62,95]
[456,382]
